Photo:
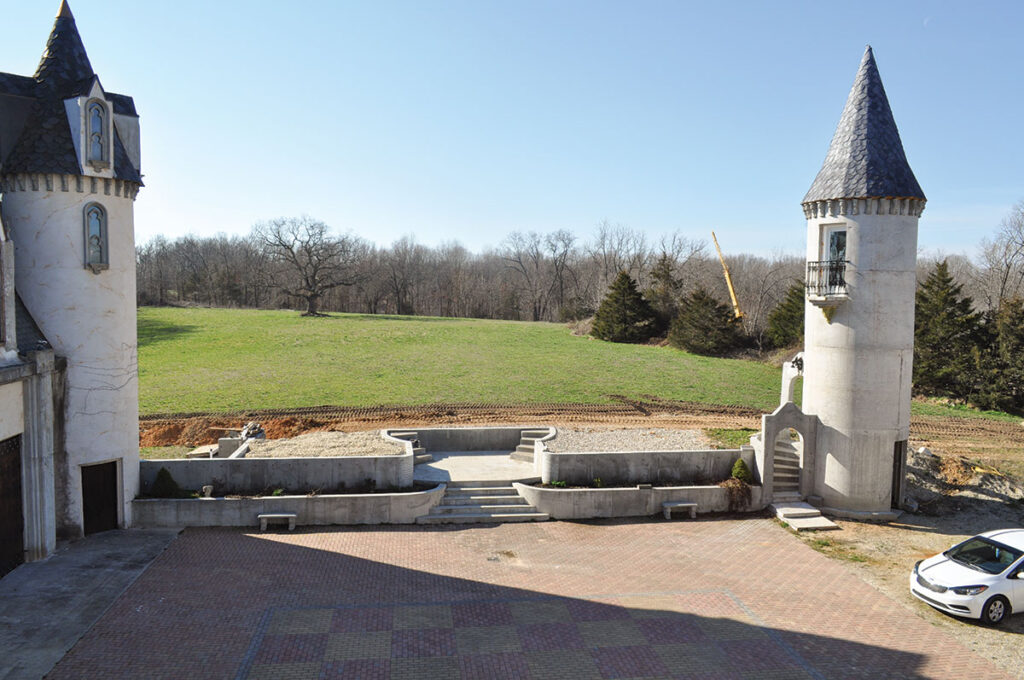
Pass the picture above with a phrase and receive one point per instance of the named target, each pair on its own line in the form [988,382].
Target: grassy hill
[229,359]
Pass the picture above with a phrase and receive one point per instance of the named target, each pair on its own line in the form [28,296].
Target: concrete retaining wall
[590,503]
[640,467]
[247,475]
[381,508]
[468,438]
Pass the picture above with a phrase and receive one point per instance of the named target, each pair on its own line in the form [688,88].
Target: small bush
[741,472]
[164,486]
[738,492]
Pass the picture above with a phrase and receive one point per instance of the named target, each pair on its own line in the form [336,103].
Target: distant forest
[300,263]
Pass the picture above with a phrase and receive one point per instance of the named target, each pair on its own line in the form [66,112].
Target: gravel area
[589,439]
[326,445]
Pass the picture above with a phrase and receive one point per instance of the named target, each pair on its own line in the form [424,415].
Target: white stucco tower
[70,174]
[862,212]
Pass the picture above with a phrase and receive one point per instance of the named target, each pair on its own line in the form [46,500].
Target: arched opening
[787,463]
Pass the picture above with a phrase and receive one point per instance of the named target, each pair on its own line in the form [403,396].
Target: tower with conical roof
[862,212]
[69,174]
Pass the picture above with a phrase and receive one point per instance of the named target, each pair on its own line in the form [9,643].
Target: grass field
[229,359]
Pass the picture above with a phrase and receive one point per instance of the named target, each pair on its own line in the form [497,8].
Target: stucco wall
[89,318]
[588,503]
[468,438]
[399,508]
[858,367]
[641,467]
[234,475]
[12,410]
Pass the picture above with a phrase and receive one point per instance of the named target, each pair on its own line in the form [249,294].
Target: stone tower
[69,177]
[862,212]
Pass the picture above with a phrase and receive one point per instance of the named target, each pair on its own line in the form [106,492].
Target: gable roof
[866,157]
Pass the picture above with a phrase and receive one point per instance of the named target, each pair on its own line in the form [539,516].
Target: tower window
[826,278]
[96,246]
[97,153]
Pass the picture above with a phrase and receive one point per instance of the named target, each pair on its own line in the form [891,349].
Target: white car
[981,578]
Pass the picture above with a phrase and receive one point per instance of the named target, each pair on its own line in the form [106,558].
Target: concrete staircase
[419,453]
[786,473]
[483,501]
[799,515]
[527,438]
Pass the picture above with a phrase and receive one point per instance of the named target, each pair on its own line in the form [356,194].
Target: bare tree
[312,260]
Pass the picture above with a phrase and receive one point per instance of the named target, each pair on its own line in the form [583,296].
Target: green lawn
[229,359]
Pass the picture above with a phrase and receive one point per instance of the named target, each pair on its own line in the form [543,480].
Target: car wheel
[995,610]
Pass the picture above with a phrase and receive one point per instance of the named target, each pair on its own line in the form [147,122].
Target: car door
[1016,590]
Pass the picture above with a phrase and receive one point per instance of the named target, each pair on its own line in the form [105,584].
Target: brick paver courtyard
[647,599]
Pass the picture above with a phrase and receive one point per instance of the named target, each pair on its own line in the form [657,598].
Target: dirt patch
[326,445]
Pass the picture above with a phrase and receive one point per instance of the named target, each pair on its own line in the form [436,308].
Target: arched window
[97,153]
[96,247]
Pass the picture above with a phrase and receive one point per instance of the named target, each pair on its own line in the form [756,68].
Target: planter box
[372,508]
[630,502]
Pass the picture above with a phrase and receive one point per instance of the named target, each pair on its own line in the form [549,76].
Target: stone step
[483,517]
[479,500]
[482,509]
[786,496]
[533,434]
[473,483]
[787,464]
[422,458]
[522,457]
[468,490]
[790,510]
[811,524]
[785,477]
[404,435]
[525,448]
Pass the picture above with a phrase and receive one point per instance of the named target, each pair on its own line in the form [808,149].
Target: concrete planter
[630,467]
[374,508]
[629,502]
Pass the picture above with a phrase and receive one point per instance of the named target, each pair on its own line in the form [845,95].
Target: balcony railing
[826,279]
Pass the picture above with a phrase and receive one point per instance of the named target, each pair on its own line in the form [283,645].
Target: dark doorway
[899,472]
[12,519]
[99,497]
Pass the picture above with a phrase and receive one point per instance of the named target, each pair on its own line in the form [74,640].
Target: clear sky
[466,120]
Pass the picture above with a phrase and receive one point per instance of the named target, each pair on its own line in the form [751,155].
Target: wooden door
[12,519]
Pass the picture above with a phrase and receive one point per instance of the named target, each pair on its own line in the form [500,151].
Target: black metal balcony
[826,279]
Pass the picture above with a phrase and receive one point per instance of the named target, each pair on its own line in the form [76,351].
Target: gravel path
[589,439]
[326,444]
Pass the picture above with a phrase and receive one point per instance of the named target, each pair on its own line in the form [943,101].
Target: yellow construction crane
[728,280]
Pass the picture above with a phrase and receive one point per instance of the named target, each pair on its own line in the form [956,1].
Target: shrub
[164,486]
[624,314]
[786,322]
[705,326]
[741,472]
[738,492]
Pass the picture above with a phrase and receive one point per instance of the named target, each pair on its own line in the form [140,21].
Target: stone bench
[668,506]
[277,517]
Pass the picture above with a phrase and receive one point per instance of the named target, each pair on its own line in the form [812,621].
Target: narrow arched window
[97,143]
[96,246]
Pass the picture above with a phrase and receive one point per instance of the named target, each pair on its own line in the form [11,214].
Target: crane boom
[728,280]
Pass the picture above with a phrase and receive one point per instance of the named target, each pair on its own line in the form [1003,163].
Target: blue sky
[466,120]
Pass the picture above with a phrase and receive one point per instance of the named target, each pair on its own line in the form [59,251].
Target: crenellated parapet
[843,207]
[52,182]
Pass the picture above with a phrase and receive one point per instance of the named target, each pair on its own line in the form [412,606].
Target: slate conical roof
[64,63]
[866,158]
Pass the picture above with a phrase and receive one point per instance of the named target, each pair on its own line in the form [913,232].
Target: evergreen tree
[705,326]
[946,338]
[624,314]
[664,292]
[786,322]
[1003,385]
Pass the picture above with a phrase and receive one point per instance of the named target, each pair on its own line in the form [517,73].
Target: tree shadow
[153,331]
[225,603]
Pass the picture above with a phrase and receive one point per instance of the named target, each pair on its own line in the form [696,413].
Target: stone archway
[787,463]
[788,438]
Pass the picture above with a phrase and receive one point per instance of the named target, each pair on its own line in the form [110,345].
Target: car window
[984,555]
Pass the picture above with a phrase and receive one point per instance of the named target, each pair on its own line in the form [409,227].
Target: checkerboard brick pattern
[646,599]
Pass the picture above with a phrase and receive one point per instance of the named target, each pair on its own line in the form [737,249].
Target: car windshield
[984,555]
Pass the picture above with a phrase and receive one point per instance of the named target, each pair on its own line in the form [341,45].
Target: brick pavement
[560,600]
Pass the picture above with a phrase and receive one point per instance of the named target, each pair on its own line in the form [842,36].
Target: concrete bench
[668,506]
[277,517]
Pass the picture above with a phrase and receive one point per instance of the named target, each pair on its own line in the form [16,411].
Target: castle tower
[862,212]
[69,173]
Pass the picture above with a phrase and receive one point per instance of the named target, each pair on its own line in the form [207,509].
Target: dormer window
[96,245]
[98,142]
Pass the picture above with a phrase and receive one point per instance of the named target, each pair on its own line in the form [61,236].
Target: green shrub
[164,486]
[741,472]
[705,326]
[786,322]
[624,314]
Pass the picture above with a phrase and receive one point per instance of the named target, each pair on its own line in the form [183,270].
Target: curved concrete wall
[468,438]
[858,366]
[232,475]
[89,318]
[381,508]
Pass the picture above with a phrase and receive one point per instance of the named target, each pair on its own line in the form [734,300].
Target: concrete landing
[460,466]
[45,607]
[802,516]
